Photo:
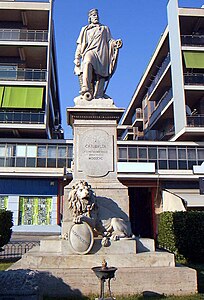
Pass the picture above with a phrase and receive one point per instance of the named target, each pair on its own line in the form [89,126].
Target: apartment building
[162,131]
[34,158]
[160,136]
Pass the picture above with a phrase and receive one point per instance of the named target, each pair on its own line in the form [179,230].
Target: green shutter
[1,94]
[48,211]
[194,59]
[35,211]
[22,210]
[23,97]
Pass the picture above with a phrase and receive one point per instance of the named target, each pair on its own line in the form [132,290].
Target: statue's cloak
[98,47]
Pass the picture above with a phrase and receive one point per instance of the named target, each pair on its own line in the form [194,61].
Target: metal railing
[17,249]
[195,121]
[197,40]
[23,35]
[165,133]
[161,105]
[12,73]
[138,115]
[24,117]
[161,70]
[194,79]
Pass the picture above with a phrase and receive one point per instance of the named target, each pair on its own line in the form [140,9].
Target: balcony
[194,79]
[195,121]
[23,35]
[161,70]
[166,133]
[21,117]
[14,73]
[137,117]
[161,105]
[192,40]
[137,134]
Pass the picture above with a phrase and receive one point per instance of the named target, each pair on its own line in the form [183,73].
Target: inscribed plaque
[95,152]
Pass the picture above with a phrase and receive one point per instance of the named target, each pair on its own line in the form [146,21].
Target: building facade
[33,154]
[162,131]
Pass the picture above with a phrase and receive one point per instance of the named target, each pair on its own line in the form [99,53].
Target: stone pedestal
[95,154]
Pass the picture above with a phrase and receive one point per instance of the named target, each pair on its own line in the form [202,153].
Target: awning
[194,59]
[192,198]
[171,202]
[22,97]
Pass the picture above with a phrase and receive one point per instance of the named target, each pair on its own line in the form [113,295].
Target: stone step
[161,280]
[125,245]
[35,259]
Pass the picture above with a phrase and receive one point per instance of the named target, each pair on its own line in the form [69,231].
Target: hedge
[182,233]
[6,222]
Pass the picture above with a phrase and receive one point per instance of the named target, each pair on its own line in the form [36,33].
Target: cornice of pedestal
[96,109]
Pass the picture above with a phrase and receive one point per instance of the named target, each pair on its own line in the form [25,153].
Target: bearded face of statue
[94,18]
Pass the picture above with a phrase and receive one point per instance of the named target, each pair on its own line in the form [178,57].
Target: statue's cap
[93,10]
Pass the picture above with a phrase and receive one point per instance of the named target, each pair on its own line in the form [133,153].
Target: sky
[139,23]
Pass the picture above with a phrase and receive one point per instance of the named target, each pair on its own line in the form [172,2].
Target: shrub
[189,233]
[166,237]
[183,234]
[6,223]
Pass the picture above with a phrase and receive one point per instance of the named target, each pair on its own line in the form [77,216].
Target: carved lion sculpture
[85,207]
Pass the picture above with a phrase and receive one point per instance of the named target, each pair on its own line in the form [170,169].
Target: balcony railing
[23,35]
[22,117]
[194,79]
[166,133]
[194,40]
[127,131]
[162,104]
[195,121]
[13,73]
[138,115]
[159,73]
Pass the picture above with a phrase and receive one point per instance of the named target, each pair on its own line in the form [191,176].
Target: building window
[173,158]
[142,153]
[35,210]
[3,202]
[51,156]
[132,153]
[43,156]
[122,154]
[62,154]
[31,155]
[10,155]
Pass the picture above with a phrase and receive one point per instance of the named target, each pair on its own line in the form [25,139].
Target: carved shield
[81,238]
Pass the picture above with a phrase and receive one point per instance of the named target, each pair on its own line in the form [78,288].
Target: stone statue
[85,208]
[95,57]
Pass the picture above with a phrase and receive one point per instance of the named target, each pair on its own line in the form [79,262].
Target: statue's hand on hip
[77,69]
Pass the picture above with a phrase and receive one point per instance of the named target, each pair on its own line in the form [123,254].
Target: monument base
[136,273]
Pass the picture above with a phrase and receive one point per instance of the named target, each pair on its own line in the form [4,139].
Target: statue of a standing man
[95,57]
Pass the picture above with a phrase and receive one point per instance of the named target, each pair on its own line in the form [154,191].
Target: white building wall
[176,66]
[13,205]
[54,210]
